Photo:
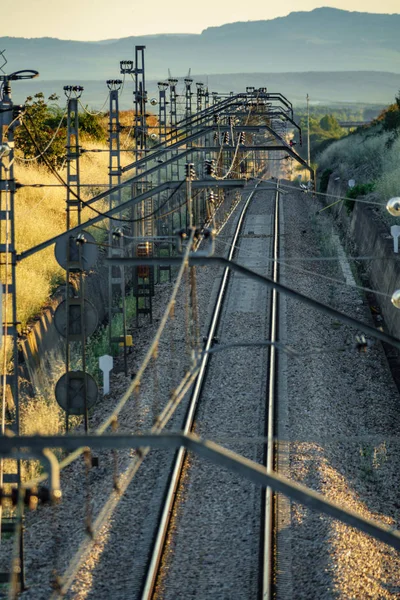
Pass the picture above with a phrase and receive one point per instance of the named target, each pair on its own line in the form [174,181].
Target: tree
[329,123]
[39,135]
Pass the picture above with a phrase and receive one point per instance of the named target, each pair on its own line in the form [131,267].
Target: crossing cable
[136,381]
[96,113]
[27,160]
[5,334]
[127,477]
[237,146]
[283,289]
[314,193]
[287,263]
[179,393]
[77,196]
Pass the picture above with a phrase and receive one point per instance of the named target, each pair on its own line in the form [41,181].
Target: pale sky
[105,19]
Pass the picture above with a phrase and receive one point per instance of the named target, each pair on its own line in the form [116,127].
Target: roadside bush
[388,184]
[39,128]
[361,189]
[359,155]
[324,181]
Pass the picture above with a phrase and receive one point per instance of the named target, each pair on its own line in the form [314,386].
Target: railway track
[263,575]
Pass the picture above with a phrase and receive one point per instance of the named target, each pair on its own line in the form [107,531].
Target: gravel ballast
[338,410]
[214,545]
[115,566]
[343,420]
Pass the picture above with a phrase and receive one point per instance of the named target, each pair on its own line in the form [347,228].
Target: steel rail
[268,545]
[170,497]
[217,454]
[283,289]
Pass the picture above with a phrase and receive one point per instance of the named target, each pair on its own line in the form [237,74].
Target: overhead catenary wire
[325,194]
[136,381]
[77,196]
[97,112]
[5,334]
[287,263]
[43,152]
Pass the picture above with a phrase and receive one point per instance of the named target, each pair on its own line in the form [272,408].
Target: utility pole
[75,318]
[190,174]
[308,129]
[188,99]
[200,86]
[172,81]
[9,114]
[116,275]
[140,102]
[162,110]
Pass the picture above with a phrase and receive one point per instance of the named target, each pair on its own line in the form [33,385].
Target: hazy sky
[102,19]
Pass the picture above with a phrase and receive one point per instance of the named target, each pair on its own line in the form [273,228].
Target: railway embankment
[42,347]
[369,238]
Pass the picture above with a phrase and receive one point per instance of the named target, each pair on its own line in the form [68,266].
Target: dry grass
[40,215]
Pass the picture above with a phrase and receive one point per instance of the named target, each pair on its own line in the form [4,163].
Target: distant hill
[324,39]
[325,88]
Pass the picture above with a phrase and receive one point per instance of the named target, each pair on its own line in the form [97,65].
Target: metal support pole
[116,276]
[173,123]
[8,293]
[74,294]
[200,87]
[162,110]
[188,100]
[308,130]
[140,102]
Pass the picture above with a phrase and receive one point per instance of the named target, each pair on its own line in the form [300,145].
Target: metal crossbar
[234,462]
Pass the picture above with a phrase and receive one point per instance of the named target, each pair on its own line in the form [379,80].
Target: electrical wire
[26,160]
[5,334]
[97,113]
[288,264]
[312,192]
[72,192]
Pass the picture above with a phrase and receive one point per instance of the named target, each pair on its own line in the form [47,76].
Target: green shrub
[324,181]
[361,189]
[39,127]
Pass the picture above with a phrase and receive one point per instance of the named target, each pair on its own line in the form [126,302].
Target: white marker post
[395,231]
[106,364]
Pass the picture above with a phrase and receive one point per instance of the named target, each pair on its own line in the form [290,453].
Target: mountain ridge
[323,39]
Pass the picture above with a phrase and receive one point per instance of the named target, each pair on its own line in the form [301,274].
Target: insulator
[226,137]
[117,233]
[126,66]
[190,171]
[393,207]
[216,119]
[216,137]
[209,167]
[80,239]
[396,298]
